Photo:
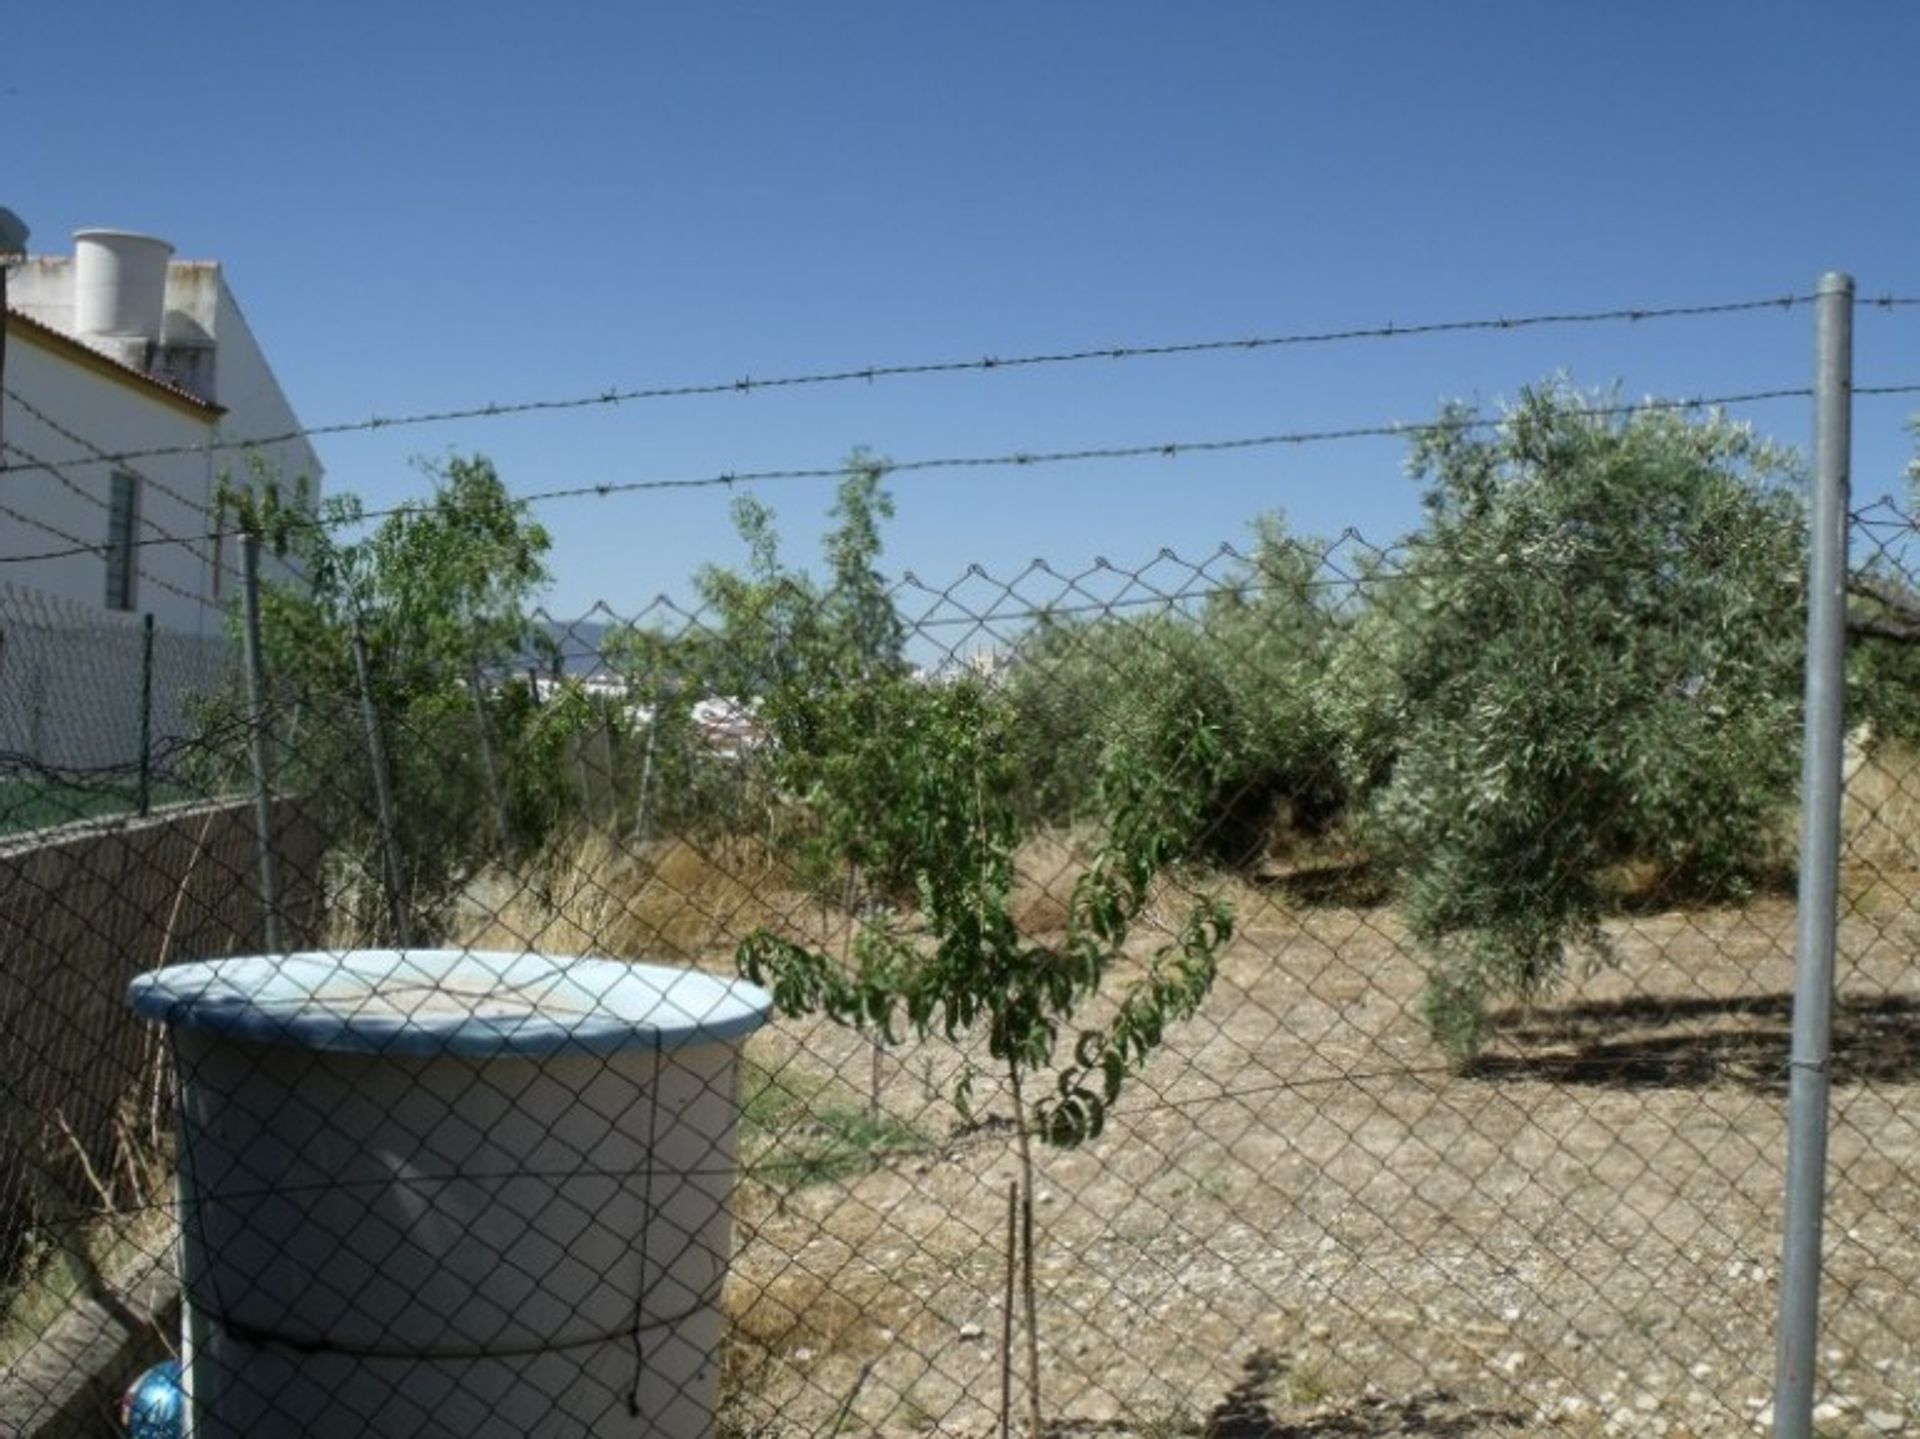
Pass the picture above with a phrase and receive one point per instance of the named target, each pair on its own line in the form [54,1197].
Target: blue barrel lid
[469,1003]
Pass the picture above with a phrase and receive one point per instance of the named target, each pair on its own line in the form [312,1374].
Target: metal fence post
[382,793]
[1808,1078]
[643,823]
[146,714]
[495,794]
[257,714]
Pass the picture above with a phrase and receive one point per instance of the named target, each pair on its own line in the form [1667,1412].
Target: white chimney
[119,292]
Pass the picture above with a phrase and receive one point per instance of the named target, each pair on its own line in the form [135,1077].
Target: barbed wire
[83,493]
[871,373]
[101,455]
[1169,449]
[79,546]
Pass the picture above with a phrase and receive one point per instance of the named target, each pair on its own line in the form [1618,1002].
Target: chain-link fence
[1313,989]
[96,710]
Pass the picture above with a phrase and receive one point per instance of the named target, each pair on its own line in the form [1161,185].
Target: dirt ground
[1300,1222]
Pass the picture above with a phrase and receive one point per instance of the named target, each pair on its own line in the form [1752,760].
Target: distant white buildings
[128,378]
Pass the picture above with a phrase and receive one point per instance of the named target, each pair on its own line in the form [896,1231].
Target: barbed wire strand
[101,455]
[103,549]
[921,369]
[1170,449]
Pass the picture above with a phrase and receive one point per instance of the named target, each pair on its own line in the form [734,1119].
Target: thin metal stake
[146,714]
[487,761]
[257,710]
[382,793]
[1820,790]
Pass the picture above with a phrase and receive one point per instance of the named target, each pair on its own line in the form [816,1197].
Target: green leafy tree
[1590,660]
[958,793]
[911,788]
[1251,663]
[812,660]
[953,788]
[439,594]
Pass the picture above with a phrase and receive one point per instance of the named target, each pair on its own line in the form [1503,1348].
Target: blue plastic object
[155,1406]
[468,1003]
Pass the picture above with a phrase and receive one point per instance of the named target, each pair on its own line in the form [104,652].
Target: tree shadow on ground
[1254,1409]
[1700,1041]
[1328,884]
[1258,1407]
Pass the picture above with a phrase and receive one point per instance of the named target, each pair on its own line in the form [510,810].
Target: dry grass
[1880,824]
[673,900]
[108,1236]
[694,902]
[1046,869]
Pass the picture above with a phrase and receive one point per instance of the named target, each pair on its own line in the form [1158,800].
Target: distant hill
[581,644]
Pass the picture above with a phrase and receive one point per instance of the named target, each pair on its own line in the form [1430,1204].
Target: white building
[132,385]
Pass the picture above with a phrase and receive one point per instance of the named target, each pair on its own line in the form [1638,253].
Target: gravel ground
[1299,1222]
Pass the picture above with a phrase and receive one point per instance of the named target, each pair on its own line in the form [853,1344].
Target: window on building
[123,520]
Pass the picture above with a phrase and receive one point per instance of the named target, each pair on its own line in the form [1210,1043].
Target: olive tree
[1590,660]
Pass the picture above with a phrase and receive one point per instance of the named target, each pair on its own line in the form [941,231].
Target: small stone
[802,1355]
[971,1331]
[1883,1421]
[1646,1403]
[1702,1370]
[1764,1419]
[1573,1406]
[1510,1364]
[1826,1411]
[1319,1329]
[1511,1314]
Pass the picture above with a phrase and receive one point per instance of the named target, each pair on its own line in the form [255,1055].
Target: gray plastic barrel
[452,1192]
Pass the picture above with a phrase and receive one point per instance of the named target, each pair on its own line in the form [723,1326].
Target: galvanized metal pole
[643,825]
[146,714]
[257,708]
[1820,786]
[494,792]
[382,794]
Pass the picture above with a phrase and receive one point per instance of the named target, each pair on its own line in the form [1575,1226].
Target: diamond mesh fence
[1308,989]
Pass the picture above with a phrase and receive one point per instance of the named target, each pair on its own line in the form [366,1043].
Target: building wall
[206,347]
[68,506]
[256,410]
[83,910]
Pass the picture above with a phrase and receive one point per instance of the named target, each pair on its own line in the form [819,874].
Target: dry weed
[1880,823]
[1046,869]
[673,900]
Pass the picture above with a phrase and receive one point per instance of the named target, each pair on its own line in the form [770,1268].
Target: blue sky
[428,206]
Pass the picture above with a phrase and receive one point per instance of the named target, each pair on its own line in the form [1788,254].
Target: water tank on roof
[452,1192]
[119,285]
